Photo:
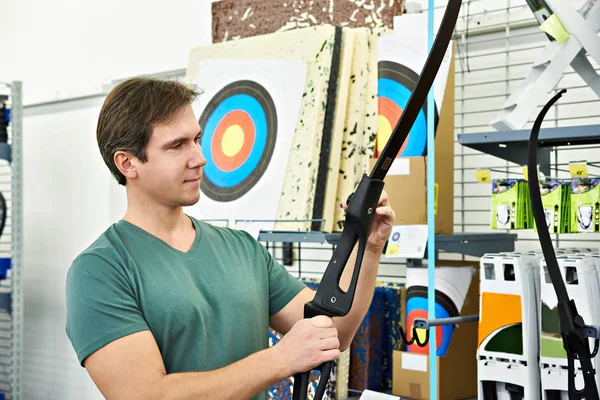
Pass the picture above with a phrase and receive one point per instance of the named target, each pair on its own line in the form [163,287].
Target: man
[163,306]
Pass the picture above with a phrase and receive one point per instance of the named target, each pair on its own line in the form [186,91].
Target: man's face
[173,170]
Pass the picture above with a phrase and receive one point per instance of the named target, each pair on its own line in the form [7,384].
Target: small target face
[416,307]
[239,132]
[395,85]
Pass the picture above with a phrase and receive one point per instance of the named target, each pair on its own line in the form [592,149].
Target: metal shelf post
[16,381]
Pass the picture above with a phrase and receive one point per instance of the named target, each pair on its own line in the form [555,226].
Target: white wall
[64,210]
[70,47]
[60,50]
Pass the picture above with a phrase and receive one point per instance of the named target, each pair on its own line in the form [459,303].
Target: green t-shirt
[206,308]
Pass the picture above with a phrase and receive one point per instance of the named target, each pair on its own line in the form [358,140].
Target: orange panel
[498,310]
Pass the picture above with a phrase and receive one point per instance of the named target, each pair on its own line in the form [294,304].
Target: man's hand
[382,223]
[310,343]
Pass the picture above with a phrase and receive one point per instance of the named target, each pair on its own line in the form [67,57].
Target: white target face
[247,114]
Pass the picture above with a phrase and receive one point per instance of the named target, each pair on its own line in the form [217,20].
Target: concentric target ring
[239,132]
[395,85]
[416,307]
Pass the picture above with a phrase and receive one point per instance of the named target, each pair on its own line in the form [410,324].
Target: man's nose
[198,160]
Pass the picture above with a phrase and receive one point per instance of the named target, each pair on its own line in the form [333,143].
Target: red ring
[414,348]
[392,112]
[230,163]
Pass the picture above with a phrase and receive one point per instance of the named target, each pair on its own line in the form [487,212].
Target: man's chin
[191,201]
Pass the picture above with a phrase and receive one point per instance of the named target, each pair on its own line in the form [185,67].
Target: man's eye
[197,140]
[176,146]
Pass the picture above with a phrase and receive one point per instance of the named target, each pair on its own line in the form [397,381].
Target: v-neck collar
[191,250]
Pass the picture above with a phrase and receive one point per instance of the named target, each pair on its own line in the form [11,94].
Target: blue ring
[250,105]
[400,94]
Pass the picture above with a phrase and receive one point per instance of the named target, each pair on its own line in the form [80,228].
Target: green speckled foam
[313,45]
[339,126]
[351,165]
[371,110]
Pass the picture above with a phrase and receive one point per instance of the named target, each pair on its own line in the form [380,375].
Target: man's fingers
[331,355]
[387,213]
[384,199]
[322,321]
[330,343]
[328,333]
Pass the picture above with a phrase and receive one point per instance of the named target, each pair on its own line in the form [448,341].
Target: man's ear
[126,163]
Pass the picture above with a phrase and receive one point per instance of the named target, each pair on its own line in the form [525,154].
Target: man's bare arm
[132,368]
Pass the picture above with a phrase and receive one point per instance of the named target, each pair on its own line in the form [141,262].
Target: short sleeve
[283,287]
[101,306]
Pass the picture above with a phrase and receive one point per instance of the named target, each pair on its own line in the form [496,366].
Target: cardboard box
[406,182]
[457,371]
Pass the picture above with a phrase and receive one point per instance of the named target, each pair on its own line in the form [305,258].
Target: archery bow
[330,299]
[573,329]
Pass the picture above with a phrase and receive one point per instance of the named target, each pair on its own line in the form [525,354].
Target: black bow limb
[330,300]
[574,332]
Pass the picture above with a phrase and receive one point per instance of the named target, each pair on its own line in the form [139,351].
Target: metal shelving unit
[512,145]
[470,244]
[11,302]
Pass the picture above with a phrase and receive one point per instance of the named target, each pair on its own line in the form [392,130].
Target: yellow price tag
[436,190]
[483,175]
[578,169]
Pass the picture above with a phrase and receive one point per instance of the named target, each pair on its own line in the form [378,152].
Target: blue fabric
[375,340]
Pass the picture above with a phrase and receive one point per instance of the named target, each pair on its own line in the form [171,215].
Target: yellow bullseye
[384,129]
[233,140]
[421,334]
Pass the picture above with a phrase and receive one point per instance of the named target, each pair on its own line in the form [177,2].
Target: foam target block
[315,47]
[351,156]
[451,286]
[235,19]
[371,113]
[333,135]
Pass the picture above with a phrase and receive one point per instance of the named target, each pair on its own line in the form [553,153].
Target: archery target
[402,55]
[416,307]
[239,132]
[247,112]
[451,287]
[396,83]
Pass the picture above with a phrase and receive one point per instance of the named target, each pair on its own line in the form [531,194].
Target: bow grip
[330,299]
[302,379]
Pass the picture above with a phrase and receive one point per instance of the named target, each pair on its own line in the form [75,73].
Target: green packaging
[509,204]
[585,205]
[552,201]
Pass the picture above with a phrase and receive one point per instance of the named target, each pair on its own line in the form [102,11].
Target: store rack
[512,145]
[468,244]
[11,292]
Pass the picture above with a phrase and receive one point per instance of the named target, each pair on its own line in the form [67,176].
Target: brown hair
[132,109]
